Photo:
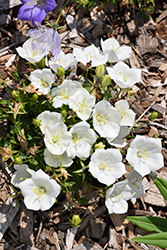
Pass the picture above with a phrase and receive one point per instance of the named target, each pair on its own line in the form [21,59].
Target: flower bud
[153,115]
[76,220]
[99,145]
[100,70]
[34,97]
[15,94]
[64,114]
[36,122]
[60,71]
[106,81]
[18,160]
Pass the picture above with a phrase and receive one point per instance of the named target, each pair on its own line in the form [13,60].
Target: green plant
[153,224]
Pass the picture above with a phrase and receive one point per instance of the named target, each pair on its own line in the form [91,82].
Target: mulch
[25,229]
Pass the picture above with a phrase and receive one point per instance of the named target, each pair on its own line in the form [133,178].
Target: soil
[25,229]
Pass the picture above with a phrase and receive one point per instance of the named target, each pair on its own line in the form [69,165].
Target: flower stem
[61,12]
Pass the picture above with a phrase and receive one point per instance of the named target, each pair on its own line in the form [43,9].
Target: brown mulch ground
[24,229]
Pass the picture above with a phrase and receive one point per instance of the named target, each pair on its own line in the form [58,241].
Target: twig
[6,32]
[158,124]
[145,112]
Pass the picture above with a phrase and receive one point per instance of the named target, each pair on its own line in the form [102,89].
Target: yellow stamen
[124,76]
[143,154]
[39,191]
[116,50]
[101,118]
[44,84]
[56,139]
[104,167]
[117,196]
[82,107]
[134,183]
[91,56]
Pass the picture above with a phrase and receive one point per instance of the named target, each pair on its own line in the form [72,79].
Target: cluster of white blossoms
[112,52]
[96,120]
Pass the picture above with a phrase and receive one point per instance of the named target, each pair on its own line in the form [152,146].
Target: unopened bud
[15,94]
[76,220]
[99,145]
[34,97]
[18,160]
[64,114]
[60,71]
[106,81]
[153,115]
[100,70]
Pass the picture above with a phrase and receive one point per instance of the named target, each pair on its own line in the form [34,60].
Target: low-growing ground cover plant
[69,120]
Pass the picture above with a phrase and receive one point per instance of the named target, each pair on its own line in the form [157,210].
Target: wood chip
[5,5]
[72,25]
[132,28]
[97,31]
[153,195]
[146,44]
[161,29]
[5,19]
[119,221]
[26,225]
[113,239]
[97,228]
[8,211]
[161,17]
[70,237]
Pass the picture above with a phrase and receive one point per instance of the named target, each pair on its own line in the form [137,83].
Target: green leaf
[83,200]
[163,181]
[149,223]
[158,239]
[161,187]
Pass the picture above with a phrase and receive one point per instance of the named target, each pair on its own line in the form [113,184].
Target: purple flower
[36,10]
[45,39]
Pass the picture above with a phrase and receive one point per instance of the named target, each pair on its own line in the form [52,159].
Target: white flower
[144,154]
[106,119]
[57,160]
[22,172]
[39,191]
[47,118]
[115,53]
[116,197]
[135,182]
[62,93]
[127,115]
[82,103]
[42,80]
[57,139]
[119,141]
[106,165]
[63,60]
[93,55]
[124,76]
[83,137]
[80,56]
[27,52]
[90,54]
